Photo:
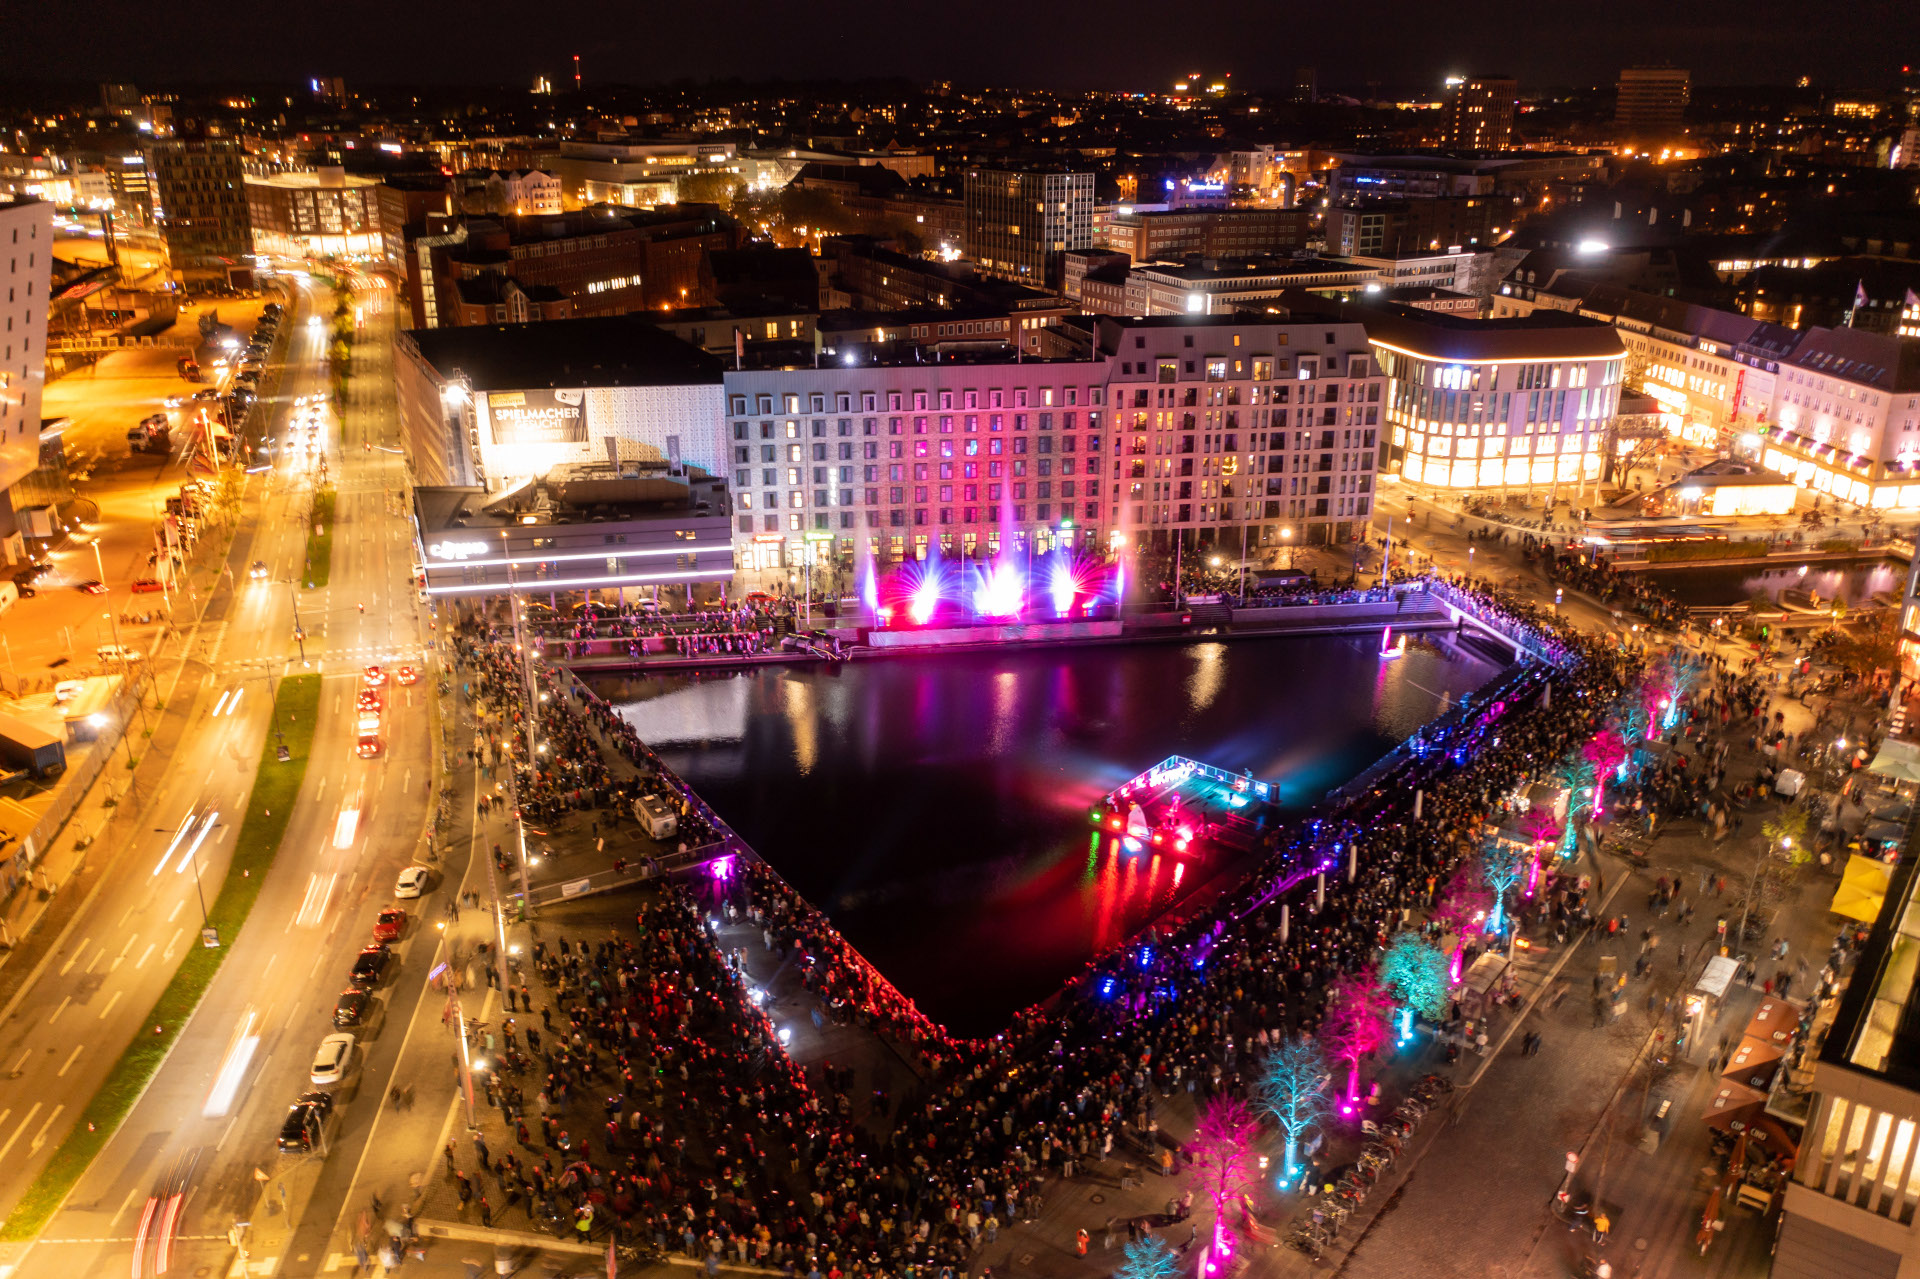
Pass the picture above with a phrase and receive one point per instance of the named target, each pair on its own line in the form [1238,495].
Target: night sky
[1112,44]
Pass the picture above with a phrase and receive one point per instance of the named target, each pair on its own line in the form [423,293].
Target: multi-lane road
[183,1165]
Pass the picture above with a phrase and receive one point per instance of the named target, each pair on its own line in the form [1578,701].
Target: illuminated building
[509,191]
[1480,404]
[1847,404]
[1650,102]
[1203,430]
[1478,114]
[1019,223]
[1713,372]
[324,213]
[635,174]
[26,246]
[1364,225]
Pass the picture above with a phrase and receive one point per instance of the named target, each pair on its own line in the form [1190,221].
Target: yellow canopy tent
[1863,889]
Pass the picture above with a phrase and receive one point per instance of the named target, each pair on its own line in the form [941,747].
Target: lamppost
[299,632]
[1286,542]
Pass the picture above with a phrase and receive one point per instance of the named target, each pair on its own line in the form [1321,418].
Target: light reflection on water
[936,806]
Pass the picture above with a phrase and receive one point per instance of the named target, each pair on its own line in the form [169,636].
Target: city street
[358,822]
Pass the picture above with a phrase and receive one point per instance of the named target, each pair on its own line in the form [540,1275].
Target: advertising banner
[554,416]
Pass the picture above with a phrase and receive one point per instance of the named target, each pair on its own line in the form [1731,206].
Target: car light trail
[177,837]
[140,1236]
[206,827]
[233,707]
[319,893]
[344,827]
[163,1252]
[233,1068]
[221,705]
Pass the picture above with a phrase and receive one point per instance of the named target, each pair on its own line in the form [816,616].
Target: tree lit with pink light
[1356,1026]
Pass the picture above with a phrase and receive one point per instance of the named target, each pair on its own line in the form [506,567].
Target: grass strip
[269,806]
[320,543]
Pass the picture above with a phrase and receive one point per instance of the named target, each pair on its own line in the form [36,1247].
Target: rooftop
[1437,335]
[616,350]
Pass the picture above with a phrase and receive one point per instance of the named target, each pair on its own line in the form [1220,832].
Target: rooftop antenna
[576,73]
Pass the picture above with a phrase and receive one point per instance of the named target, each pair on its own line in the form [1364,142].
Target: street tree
[1465,901]
[1149,1257]
[1356,1024]
[1502,863]
[1416,972]
[1223,1158]
[1291,1086]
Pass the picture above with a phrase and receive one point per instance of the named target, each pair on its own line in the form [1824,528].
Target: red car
[369,700]
[391,924]
[407,675]
[91,587]
[147,586]
[375,677]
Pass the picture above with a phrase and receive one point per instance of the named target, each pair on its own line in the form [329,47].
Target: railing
[606,881]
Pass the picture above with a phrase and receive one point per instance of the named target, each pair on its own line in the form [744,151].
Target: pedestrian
[486,1214]
[1080,1240]
[449,1154]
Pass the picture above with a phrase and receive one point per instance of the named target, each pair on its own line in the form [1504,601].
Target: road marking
[176,910]
[173,941]
[144,956]
[92,963]
[18,1132]
[40,1137]
[406,781]
[56,1012]
[111,1003]
[77,1050]
[78,951]
[24,1054]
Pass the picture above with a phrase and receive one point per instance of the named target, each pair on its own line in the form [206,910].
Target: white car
[331,1063]
[412,882]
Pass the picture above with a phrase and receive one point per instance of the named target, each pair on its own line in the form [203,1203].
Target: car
[91,586]
[374,677]
[25,589]
[351,1008]
[174,401]
[68,689]
[116,653]
[331,1062]
[412,882]
[407,675]
[259,570]
[300,1131]
[368,702]
[370,966]
[147,585]
[391,925]
[38,569]
[205,394]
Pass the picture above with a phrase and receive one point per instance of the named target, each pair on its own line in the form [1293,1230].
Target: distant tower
[1479,113]
[1306,84]
[1651,102]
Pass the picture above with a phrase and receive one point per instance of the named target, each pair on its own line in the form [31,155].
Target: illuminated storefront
[1848,408]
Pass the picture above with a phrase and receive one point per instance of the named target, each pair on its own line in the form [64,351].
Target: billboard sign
[557,415]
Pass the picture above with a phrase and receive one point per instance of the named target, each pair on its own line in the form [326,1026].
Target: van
[9,594]
[116,653]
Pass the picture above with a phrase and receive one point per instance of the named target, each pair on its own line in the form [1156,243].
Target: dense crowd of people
[716,1145]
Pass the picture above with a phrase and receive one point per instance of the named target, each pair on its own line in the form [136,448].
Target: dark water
[1855,583]
[937,806]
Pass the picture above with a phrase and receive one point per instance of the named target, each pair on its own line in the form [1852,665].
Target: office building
[1306,84]
[1365,226]
[1019,223]
[321,213]
[1484,404]
[26,261]
[1478,113]
[1651,103]
[1171,234]
[200,202]
[1422,175]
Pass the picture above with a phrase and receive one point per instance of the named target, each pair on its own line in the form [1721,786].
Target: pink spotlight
[926,598]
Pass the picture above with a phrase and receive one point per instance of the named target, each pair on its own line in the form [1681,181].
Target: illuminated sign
[456,550]
[554,416]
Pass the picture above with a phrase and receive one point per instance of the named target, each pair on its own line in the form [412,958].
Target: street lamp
[1286,542]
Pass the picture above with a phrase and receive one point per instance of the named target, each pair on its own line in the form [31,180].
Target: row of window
[924,517]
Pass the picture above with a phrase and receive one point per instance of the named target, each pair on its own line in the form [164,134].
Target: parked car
[91,587]
[390,926]
[351,1008]
[305,1124]
[412,882]
[147,586]
[333,1060]
[371,966]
